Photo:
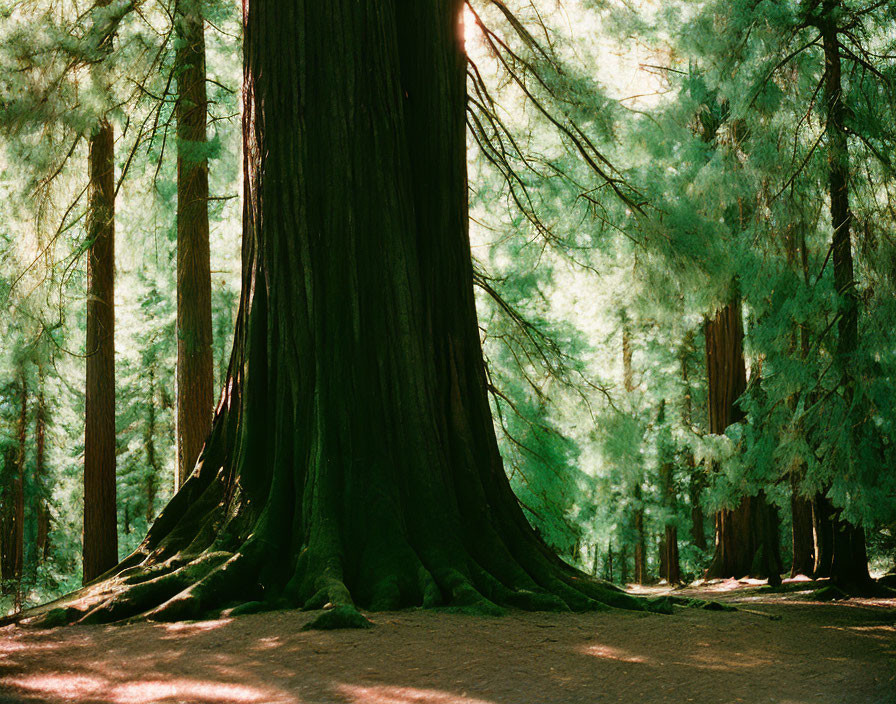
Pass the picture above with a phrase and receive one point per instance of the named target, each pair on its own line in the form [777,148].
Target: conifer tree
[353,457]
[195,373]
[100,539]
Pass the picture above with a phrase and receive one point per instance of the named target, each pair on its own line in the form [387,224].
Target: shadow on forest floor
[843,653]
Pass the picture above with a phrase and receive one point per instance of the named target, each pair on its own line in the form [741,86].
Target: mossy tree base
[352,462]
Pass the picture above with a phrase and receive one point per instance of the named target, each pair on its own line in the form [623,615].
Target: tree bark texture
[851,567]
[746,536]
[353,459]
[628,380]
[195,370]
[823,533]
[149,446]
[12,498]
[100,546]
[42,493]
[696,479]
[801,532]
[669,561]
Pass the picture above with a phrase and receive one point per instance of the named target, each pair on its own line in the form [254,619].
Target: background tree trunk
[823,530]
[801,532]
[195,370]
[100,547]
[671,570]
[149,445]
[696,479]
[13,498]
[851,567]
[640,551]
[42,495]
[746,536]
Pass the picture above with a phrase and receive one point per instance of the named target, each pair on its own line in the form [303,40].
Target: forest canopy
[633,261]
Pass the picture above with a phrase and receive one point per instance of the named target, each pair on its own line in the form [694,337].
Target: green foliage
[632,165]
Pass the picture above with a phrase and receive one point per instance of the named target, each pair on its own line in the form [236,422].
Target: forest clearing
[780,648]
[471,351]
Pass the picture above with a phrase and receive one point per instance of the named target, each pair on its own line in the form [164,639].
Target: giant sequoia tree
[352,458]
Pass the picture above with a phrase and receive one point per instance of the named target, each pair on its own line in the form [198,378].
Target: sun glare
[471,32]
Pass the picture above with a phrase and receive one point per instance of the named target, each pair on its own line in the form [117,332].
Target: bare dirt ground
[777,648]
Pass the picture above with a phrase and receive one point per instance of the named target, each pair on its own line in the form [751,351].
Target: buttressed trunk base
[353,458]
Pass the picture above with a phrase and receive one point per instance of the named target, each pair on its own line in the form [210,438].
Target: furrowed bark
[195,371]
[41,499]
[850,566]
[100,546]
[352,460]
[12,499]
[746,536]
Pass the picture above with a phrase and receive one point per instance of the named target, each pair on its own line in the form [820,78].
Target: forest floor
[777,647]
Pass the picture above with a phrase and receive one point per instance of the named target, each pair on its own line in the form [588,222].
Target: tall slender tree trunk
[695,493]
[850,563]
[637,498]
[669,544]
[149,445]
[696,480]
[41,498]
[353,457]
[746,536]
[100,547]
[801,532]
[195,368]
[641,541]
[12,498]
[823,533]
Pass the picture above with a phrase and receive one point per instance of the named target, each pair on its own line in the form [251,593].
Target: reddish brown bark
[12,500]
[670,569]
[849,565]
[41,503]
[747,535]
[695,477]
[823,533]
[195,372]
[801,533]
[638,511]
[149,445]
[100,548]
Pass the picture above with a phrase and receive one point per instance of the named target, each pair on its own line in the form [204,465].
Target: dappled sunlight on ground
[819,653]
[196,626]
[608,653]
[93,688]
[403,695]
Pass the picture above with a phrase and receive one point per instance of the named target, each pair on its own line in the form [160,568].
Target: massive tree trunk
[746,536]
[100,547]
[850,564]
[195,373]
[353,458]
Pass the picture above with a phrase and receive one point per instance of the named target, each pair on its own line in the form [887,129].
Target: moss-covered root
[342,616]
[53,618]
[700,604]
